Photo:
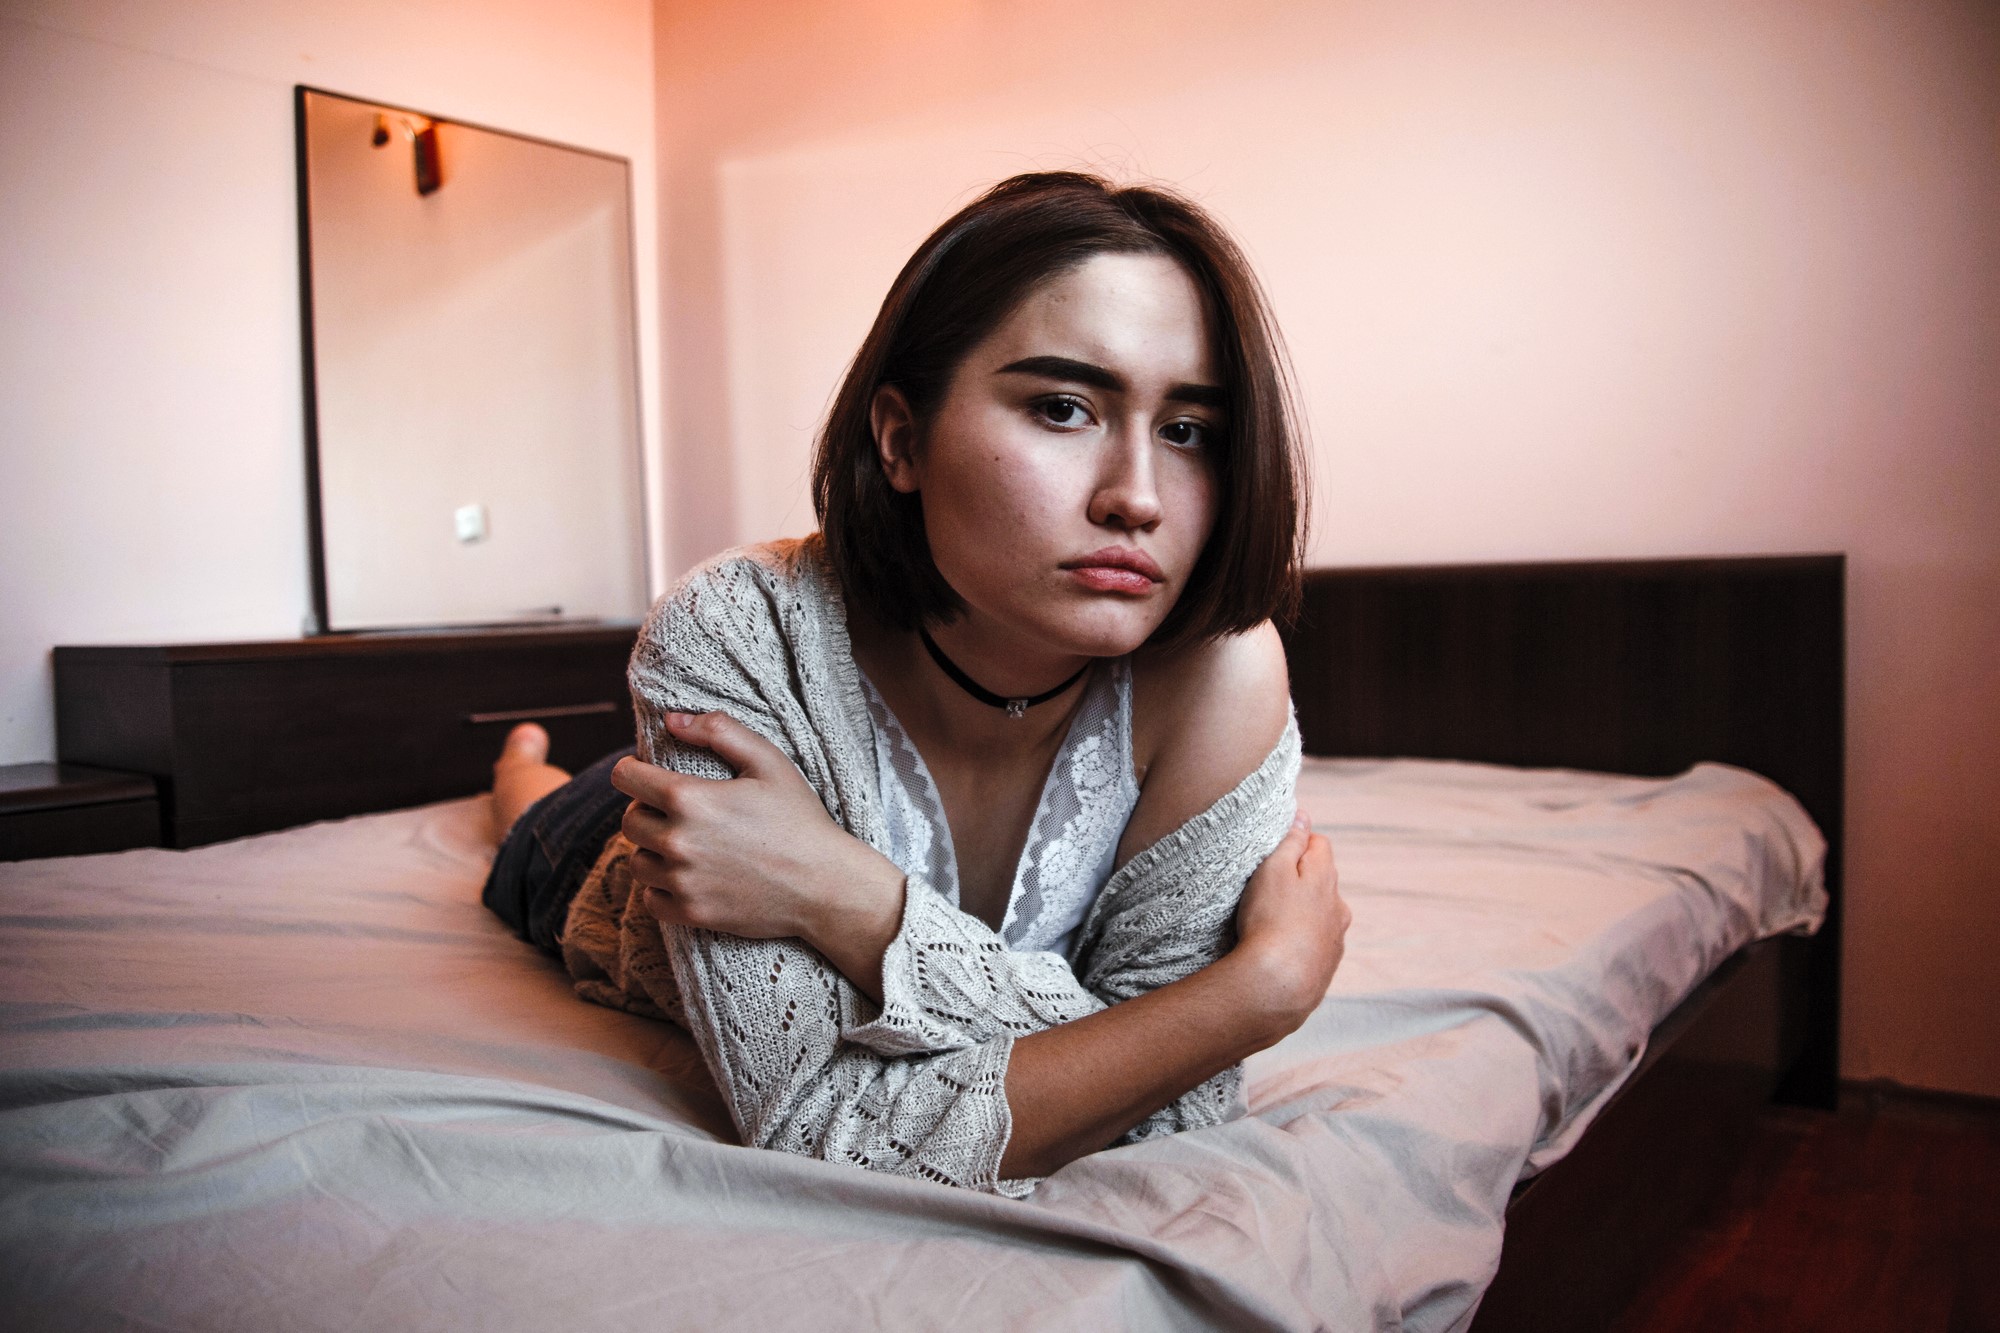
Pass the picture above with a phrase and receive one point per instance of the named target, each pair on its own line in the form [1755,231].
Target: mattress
[304,1081]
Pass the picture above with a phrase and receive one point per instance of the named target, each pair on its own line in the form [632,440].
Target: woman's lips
[1108,578]
[1116,569]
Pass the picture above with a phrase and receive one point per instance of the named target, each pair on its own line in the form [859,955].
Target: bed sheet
[304,1081]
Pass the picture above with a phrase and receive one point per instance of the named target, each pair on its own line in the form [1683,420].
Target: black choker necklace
[1014,707]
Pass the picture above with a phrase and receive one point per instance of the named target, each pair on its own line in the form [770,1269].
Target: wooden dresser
[247,737]
[74,810]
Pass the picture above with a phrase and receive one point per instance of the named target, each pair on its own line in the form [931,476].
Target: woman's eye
[1187,434]
[1063,412]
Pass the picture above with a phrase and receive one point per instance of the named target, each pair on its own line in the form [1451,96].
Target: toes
[525,744]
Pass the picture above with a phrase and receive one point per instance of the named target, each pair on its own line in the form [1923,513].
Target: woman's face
[1068,475]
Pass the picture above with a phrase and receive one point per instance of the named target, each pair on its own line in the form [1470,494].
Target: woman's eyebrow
[1097,377]
[1065,368]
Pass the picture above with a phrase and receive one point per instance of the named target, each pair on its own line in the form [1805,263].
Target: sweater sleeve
[769,1015]
[949,981]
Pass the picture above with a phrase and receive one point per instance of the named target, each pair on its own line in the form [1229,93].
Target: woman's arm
[783,1032]
[774,1025]
[1077,1088]
[758,857]
[755,857]
[768,1017]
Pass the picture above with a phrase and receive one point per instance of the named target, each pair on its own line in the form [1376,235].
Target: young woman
[968,844]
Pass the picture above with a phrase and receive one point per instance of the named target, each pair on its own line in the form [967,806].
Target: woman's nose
[1126,495]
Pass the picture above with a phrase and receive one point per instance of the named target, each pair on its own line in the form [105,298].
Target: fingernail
[680,719]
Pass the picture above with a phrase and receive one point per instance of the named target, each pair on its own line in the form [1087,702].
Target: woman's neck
[929,703]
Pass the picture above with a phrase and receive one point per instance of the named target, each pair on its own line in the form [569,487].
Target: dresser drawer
[245,738]
[71,810]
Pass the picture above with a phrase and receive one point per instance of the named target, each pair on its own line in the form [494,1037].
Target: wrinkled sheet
[304,1081]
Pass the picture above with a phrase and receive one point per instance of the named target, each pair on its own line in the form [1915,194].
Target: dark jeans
[549,852]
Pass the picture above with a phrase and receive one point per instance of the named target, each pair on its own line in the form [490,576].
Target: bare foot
[522,775]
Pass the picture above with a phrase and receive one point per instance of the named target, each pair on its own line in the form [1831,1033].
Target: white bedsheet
[305,1081]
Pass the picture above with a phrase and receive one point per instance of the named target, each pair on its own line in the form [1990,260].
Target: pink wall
[1559,282]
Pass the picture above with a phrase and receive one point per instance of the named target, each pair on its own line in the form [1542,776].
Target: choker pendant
[1013,707]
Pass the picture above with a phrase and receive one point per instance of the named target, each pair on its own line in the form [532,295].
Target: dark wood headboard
[1626,666]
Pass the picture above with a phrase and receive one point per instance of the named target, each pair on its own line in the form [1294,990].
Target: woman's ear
[895,427]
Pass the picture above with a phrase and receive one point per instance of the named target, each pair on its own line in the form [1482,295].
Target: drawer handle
[535,714]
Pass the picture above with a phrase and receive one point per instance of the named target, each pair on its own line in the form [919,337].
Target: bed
[301,1080]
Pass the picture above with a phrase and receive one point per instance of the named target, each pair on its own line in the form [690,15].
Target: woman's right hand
[1291,926]
[757,855]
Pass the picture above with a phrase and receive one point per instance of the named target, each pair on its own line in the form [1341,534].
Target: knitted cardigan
[806,1062]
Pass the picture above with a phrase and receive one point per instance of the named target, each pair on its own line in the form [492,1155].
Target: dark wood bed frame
[1640,666]
[1626,666]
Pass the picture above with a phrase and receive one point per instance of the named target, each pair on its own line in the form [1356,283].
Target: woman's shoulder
[787,562]
[1205,693]
[755,615]
[747,589]
[756,632]
[1204,717]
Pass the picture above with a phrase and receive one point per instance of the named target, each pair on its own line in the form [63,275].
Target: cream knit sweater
[806,1062]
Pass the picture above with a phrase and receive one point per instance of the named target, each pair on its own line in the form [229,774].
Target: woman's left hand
[755,855]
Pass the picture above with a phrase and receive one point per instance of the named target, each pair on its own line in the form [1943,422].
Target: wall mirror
[472,398]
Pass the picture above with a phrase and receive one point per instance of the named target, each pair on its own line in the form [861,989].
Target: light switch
[471,522]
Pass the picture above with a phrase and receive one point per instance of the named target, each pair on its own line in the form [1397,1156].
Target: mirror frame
[315,521]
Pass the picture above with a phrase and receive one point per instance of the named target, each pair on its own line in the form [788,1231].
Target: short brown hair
[965,279]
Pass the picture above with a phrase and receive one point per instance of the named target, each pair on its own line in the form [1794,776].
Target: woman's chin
[1076,622]
[1110,631]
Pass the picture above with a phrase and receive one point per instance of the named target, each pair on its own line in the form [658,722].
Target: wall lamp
[423,136]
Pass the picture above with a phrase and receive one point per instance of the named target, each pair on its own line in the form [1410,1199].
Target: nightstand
[74,810]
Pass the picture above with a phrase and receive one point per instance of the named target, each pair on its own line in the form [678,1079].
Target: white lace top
[1086,800]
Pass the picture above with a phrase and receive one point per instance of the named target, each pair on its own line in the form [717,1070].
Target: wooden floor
[1884,1215]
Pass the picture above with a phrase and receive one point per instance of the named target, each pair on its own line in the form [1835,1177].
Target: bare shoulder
[1203,719]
